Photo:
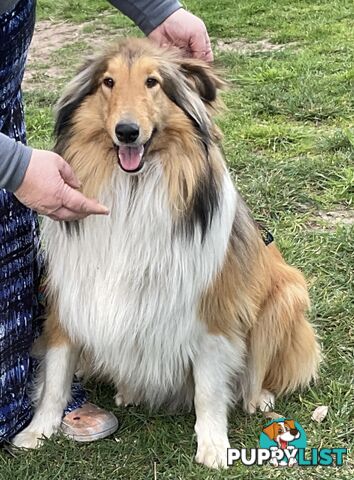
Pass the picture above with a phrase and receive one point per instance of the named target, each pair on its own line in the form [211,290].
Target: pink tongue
[130,157]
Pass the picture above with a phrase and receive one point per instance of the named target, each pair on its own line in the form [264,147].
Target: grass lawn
[289,141]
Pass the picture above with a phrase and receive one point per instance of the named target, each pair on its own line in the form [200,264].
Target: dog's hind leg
[283,352]
[212,371]
[258,397]
[259,355]
[58,369]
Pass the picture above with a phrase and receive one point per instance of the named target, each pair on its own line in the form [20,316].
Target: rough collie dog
[175,296]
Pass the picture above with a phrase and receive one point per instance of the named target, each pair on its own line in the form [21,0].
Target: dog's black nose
[294,431]
[127,132]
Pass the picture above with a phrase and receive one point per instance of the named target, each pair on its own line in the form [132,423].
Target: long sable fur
[261,275]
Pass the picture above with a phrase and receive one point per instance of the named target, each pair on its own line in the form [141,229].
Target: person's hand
[186,31]
[49,187]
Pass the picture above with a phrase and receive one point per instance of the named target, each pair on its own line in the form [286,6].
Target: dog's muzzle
[131,157]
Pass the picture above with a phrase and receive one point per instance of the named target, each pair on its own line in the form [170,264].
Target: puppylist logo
[282,444]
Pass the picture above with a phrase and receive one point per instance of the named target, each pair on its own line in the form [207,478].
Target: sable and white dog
[174,296]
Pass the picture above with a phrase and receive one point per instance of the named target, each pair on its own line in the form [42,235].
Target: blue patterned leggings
[20,262]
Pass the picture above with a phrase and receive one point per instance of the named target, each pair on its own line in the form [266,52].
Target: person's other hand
[49,187]
[186,31]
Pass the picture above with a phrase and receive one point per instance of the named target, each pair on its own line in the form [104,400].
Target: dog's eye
[109,82]
[151,82]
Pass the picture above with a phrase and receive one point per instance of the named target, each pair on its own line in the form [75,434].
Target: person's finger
[77,202]
[197,41]
[200,47]
[65,214]
[68,175]
[194,53]
[208,56]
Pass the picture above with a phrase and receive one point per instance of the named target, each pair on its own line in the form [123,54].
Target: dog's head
[135,94]
[282,432]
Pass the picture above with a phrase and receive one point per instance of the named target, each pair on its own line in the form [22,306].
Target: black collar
[266,235]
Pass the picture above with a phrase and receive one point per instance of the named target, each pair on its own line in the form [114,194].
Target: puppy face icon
[282,433]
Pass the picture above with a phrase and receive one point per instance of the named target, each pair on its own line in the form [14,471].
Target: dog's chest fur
[129,285]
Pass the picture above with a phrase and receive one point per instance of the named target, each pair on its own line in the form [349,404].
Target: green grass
[289,141]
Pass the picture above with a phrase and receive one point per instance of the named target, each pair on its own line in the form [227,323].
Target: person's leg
[19,245]
[17,299]
[17,250]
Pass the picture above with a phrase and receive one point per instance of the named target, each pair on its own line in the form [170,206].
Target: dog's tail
[283,350]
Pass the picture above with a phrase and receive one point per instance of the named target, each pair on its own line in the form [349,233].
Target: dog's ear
[203,78]
[191,86]
[84,83]
[271,431]
[290,424]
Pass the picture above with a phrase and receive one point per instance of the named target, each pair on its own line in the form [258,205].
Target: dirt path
[243,46]
[49,37]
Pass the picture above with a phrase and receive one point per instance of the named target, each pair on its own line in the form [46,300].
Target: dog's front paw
[28,439]
[34,435]
[212,454]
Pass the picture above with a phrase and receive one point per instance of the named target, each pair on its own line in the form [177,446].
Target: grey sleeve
[14,160]
[147,14]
